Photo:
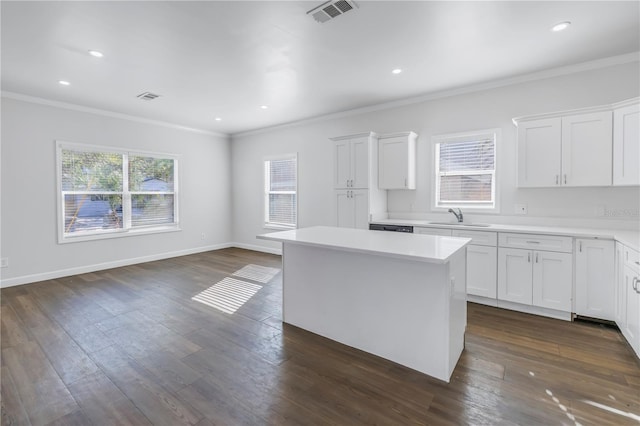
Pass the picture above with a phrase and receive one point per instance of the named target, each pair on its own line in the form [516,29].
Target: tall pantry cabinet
[357,198]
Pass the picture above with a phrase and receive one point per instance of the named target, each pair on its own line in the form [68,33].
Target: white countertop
[626,237]
[425,248]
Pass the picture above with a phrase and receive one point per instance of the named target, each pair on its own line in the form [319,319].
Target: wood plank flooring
[129,346]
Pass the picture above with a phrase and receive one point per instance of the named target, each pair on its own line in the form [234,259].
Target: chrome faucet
[457,215]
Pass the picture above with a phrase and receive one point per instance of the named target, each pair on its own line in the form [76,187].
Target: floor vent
[331,9]
[147,96]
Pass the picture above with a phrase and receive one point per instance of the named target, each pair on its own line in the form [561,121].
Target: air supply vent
[331,9]
[147,96]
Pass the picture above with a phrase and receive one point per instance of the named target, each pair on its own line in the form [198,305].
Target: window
[105,193]
[280,195]
[465,170]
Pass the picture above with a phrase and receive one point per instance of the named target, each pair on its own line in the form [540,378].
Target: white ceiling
[225,59]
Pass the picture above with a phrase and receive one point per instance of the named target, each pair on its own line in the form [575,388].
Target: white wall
[28,221]
[492,108]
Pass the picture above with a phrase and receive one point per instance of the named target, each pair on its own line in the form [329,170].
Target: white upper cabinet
[626,144]
[539,152]
[573,150]
[351,160]
[598,146]
[397,161]
[587,149]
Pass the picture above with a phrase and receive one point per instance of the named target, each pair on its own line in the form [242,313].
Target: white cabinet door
[351,163]
[342,163]
[631,326]
[344,209]
[539,153]
[626,145]
[360,202]
[360,162]
[482,271]
[552,280]
[515,274]
[396,161]
[595,294]
[352,208]
[620,292]
[587,146]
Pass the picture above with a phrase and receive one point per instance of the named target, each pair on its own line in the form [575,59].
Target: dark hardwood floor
[130,346]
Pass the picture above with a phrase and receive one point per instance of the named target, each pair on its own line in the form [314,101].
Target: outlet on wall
[521,209]
[202,236]
[4,262]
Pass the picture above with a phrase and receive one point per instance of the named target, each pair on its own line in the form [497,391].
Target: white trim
[577,111]
[540,75]
[255,247]
[27,279]
[106,113]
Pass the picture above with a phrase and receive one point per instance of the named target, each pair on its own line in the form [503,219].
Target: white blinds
[281,194]
[466,172]
[151,184]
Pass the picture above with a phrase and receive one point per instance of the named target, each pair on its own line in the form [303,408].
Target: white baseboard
[254,247]
[536,310]
[26,279]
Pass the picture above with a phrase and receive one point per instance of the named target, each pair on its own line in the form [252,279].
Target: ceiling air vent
[331,9]
[147,96]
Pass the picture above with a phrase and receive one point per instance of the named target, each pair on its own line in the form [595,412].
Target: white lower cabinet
[481,271]
[631,325]
[352,208]
[595,294]
[552,280]
[482,260]
[538,278]
[515,275]
[628,295]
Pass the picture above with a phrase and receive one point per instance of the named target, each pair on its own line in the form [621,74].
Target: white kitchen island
[399,296]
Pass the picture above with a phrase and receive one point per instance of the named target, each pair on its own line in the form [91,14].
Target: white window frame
[436,206]
[266,186]
[126,230]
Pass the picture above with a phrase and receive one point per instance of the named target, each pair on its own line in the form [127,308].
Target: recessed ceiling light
[96,54]
[396,71]
[218,119]
[264,107]
[561,26]
[64,83]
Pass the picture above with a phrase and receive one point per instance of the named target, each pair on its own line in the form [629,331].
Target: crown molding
[540,75]
[106,113]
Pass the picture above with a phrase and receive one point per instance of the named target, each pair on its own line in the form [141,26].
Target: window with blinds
[105,192]
[281,207]
[465,171]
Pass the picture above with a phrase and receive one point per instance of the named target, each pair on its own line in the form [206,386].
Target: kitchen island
[398,296]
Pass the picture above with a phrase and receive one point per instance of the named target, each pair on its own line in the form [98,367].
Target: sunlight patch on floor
[227,295]
[262,274]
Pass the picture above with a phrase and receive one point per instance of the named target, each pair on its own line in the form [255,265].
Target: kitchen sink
[479,225]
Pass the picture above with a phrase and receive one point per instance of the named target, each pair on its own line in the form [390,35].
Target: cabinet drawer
[536,242]
[443,232]
[481,238]
[632,259]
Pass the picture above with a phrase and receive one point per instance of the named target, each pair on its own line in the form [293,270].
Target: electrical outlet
[4,262]
[202,236]
[521,209]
